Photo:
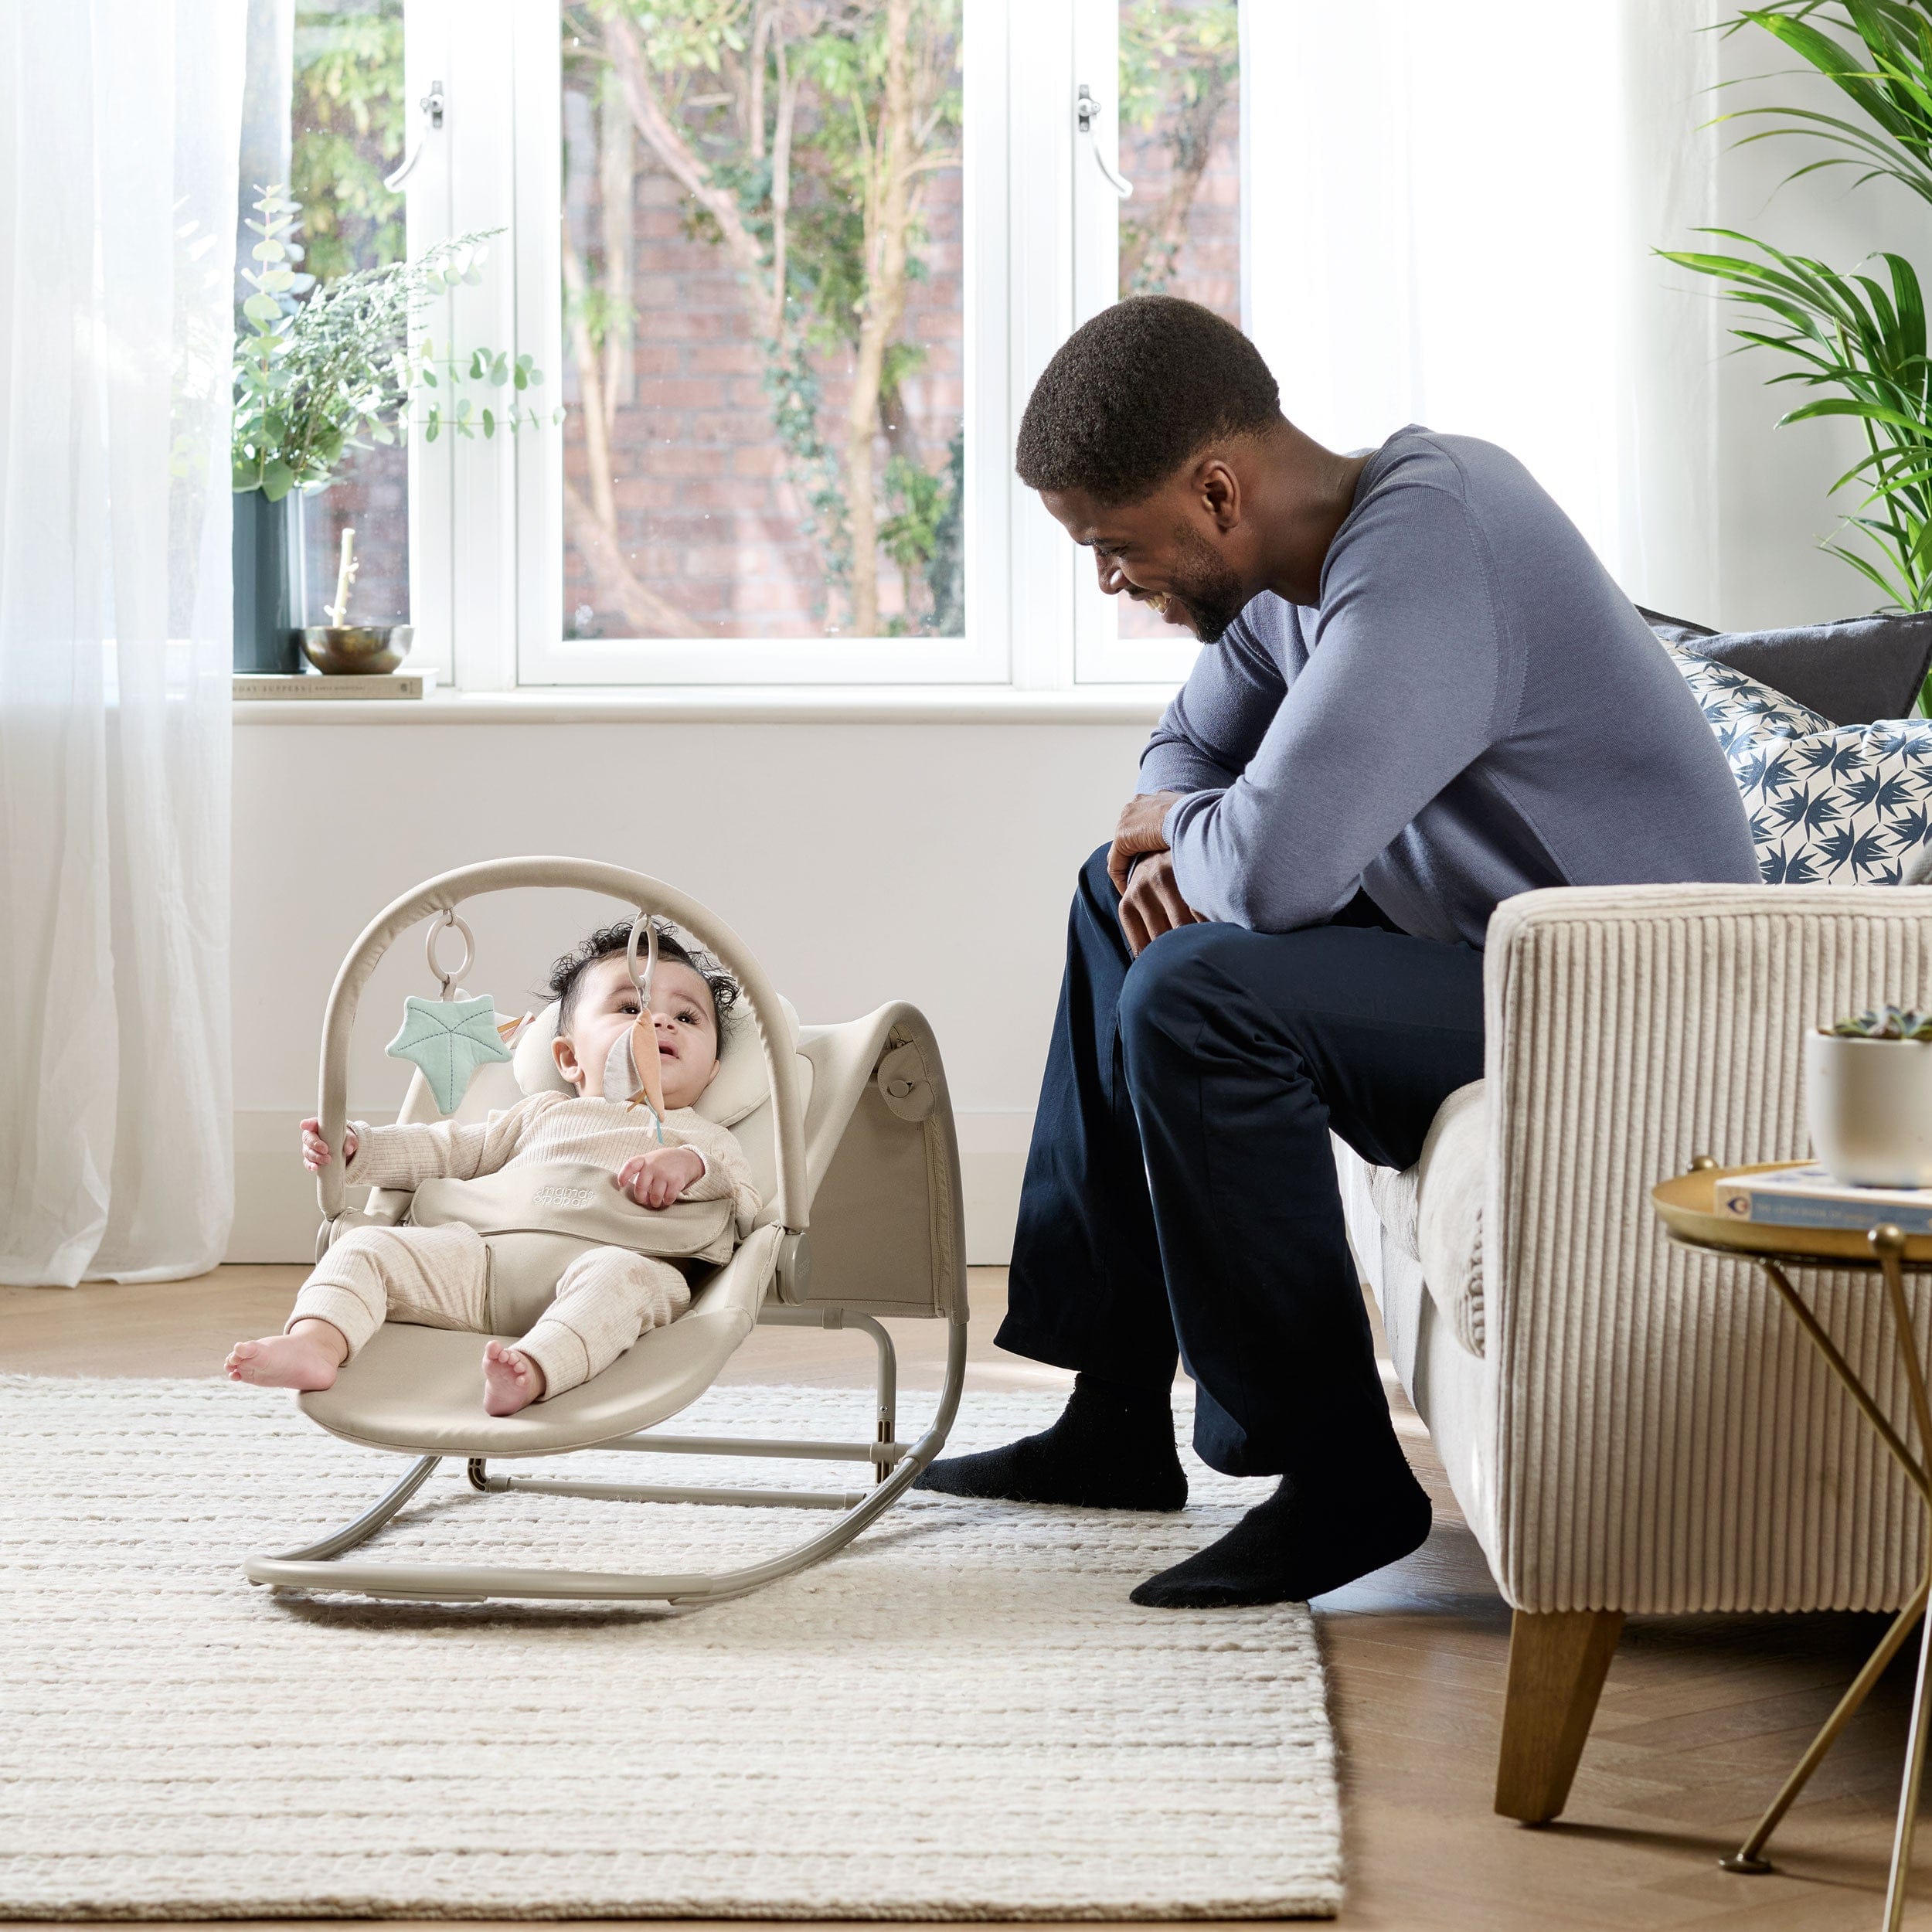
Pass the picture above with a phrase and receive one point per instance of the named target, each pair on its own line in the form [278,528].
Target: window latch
[1086,112]
[432,104]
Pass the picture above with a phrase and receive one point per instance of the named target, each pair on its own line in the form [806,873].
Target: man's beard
[1209,590]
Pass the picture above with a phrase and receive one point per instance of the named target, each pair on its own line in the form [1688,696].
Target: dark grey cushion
[1854,672]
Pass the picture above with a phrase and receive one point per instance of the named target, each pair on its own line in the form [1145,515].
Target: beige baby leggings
[439,1278]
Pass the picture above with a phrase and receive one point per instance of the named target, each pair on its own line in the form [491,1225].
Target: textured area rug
[960,1716]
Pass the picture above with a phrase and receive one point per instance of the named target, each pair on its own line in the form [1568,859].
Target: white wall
[861,863]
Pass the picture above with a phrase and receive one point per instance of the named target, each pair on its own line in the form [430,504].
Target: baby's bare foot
[284,1361]
[511,1380]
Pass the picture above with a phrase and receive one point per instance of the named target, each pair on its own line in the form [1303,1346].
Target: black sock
[1113,1448]
[1296,1545]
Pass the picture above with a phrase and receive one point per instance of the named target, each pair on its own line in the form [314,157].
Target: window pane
[1181,147]
[349,123]
[764,320]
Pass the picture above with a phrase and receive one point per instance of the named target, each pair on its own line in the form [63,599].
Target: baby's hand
[656,1179]
[315,1149]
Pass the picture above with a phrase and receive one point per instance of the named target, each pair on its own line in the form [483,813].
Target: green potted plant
[323,371]
[1859,338]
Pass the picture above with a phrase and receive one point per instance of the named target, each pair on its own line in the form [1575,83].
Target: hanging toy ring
[451,917]
[645,927]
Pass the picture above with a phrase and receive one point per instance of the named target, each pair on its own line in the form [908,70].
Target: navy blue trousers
[1180,1197]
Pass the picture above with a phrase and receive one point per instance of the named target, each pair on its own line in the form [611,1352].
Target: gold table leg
[1888,1244]
[1749,1856]
[1909,1794]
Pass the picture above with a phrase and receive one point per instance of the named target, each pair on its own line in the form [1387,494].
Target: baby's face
[685,1019]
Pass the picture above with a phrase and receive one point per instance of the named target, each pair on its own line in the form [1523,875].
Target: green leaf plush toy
[449,1039]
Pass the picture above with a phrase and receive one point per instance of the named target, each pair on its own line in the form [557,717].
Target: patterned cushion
[1846,805]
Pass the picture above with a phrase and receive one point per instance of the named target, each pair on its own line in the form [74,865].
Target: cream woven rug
[959,1717]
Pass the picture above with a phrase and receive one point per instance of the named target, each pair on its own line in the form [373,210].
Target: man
[1420,692]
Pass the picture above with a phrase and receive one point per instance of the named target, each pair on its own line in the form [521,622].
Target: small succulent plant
[1888,1022]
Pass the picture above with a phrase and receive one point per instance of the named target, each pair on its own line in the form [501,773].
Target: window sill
[1137,704]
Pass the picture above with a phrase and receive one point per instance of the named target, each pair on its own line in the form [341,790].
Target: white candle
[338,612]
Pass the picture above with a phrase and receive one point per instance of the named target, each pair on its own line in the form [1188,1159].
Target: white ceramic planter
[1869,1104]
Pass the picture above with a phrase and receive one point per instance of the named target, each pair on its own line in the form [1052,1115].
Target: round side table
[1688,1206]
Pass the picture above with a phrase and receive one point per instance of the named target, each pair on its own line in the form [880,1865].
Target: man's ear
[1218,490]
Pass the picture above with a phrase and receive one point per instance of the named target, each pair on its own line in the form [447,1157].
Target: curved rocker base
[315,1567]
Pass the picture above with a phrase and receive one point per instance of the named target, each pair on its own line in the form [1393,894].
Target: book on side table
[258,687]
[1812,1197]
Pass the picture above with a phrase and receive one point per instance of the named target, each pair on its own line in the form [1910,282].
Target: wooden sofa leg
[1558,1660]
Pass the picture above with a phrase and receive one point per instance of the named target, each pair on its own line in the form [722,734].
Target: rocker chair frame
[779,1248]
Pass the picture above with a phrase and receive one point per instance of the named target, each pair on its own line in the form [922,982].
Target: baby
[439,1276]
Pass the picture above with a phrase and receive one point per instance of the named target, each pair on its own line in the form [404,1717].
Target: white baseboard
[275,1214]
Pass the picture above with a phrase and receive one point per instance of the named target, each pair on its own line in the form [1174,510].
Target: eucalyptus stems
[344,369]
[1861,336]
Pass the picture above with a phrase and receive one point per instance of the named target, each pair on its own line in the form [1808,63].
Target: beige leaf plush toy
[634,1072]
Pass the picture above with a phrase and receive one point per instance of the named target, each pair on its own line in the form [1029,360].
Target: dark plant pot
[268,575]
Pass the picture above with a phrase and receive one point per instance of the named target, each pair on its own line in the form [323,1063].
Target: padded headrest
[739,1089]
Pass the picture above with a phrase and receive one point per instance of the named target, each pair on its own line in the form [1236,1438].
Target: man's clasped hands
[1141,867]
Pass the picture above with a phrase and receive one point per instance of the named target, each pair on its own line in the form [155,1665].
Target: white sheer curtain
[117,195]
[1449,216]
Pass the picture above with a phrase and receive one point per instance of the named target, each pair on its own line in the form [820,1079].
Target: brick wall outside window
[707,515]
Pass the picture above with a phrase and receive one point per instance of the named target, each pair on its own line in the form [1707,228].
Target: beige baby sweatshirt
[554,1126]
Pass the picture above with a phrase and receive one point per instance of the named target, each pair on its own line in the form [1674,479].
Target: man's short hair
[1132,394]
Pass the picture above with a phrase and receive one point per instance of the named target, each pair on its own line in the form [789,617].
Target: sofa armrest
[1666,1441]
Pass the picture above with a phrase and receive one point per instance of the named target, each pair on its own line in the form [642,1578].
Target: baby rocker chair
[849,1132]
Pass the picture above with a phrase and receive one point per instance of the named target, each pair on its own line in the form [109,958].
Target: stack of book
[1812,1197]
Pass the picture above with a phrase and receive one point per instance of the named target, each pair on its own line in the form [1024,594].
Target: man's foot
[1285,1551]
[1112,1449]
[511,1380]
[300,1361]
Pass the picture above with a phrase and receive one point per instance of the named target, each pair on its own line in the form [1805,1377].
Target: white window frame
[1041,232]
[1101,655]
[463,507]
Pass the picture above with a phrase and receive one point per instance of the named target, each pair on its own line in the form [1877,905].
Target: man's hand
[315,1149]
[1151,902]
[656,1179]
[1138,831]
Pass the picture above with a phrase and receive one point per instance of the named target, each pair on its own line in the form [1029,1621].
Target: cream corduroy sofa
[1631,1427]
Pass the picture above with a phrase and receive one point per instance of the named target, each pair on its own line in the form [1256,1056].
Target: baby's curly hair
[567,974]
[1130,396]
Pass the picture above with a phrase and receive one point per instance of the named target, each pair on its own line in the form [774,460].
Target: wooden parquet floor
[1700,1720]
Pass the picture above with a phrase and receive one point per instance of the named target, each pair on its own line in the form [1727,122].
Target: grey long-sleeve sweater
[1473,710]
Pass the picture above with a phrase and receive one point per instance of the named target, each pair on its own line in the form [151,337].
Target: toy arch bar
[649,895]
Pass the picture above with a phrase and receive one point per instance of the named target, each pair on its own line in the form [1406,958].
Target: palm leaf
[1860,335]
[1849,406]
[1844,69]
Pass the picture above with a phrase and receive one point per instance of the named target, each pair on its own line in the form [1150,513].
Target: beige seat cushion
[421,1390]
[1433,1211]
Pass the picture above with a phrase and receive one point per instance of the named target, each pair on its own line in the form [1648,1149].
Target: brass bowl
[356,650]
